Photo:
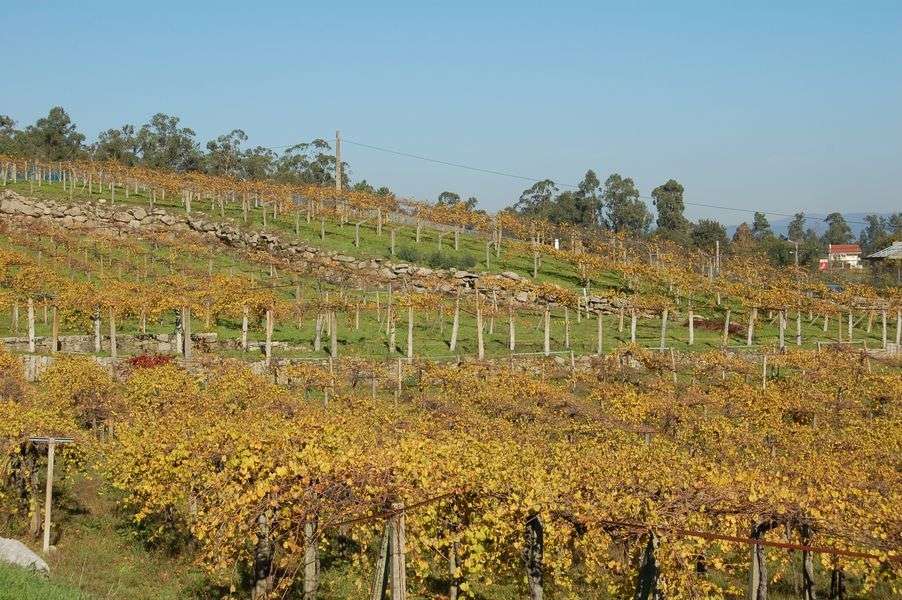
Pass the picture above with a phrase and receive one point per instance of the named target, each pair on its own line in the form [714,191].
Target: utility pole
[717,256]
[338,161]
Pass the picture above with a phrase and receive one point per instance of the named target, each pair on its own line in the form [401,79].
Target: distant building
[844,256]
[889,256]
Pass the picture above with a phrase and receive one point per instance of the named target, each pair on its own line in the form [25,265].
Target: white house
[844,256]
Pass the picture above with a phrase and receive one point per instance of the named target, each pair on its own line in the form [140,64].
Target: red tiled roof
[844,249]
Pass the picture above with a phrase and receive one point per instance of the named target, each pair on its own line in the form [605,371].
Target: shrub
[442,260]
[409,254]
[149,361]
[437,259]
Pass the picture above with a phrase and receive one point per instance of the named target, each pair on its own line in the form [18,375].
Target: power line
[567,185]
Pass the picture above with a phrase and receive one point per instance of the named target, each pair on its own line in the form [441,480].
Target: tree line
[615,205]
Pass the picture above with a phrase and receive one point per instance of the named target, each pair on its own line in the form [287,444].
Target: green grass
[97,552]
[20,584]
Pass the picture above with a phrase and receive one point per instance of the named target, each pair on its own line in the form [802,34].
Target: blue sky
[775,106]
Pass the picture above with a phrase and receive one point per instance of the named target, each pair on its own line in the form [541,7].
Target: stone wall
[323,264]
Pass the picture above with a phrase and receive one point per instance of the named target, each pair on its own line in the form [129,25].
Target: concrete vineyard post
[244,317]
[663,329]
[268,343]
[691,327]
[512,330]
[566,328]
[186,327]
[480,342]
[48,493]
[533,555]
[726,327]
[753,314]
[97,332]
[546,347]
[455,324]
[600,334]
[114,350]
[410,332]
[31,347]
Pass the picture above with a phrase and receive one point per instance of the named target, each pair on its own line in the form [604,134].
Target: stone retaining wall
[327,265]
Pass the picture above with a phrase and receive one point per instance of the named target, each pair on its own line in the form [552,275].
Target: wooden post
[798,328]
[398,554]
[380,578]
[48,494]
[333,337]
[850,325]
[338,167]
[883,326]
[54,332]
[452,568]
[764,372]
[647,581]
[311,560]
[632,325]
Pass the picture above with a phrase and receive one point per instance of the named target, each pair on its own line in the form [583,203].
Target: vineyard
[314,394]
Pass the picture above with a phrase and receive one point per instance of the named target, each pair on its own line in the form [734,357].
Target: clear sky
[774,105]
